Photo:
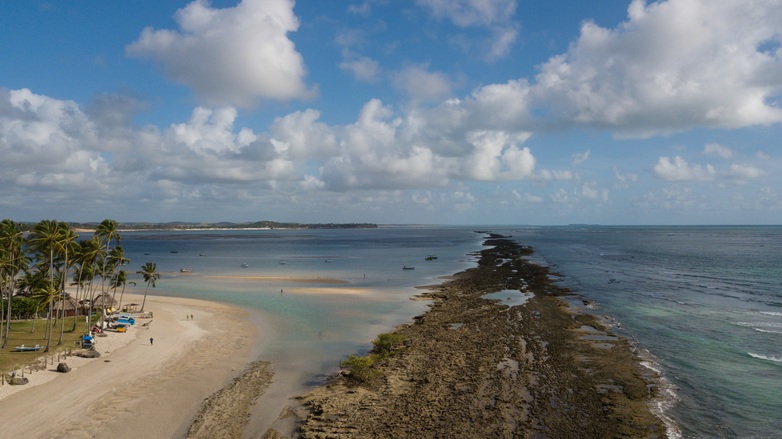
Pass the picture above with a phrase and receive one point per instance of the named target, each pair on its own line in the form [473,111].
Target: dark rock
[18,381]
[87,353]
[63,367]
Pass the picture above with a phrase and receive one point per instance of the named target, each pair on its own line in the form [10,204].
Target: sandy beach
[137,389]
[470,367]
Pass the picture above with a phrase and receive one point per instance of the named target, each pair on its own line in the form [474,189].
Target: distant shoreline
[221,226]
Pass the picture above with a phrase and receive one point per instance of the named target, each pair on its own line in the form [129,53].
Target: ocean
[702,304]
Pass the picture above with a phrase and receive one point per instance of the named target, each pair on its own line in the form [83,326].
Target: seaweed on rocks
[474,367]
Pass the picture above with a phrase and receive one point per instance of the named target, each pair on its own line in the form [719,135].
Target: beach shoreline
[149,382]
[540,368]
[473,367]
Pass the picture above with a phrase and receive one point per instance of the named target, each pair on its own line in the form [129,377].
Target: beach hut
[69,304]
[104,301]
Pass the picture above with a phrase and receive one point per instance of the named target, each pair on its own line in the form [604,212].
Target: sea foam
[766,357]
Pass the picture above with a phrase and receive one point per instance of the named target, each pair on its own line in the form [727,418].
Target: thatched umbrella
[104,301]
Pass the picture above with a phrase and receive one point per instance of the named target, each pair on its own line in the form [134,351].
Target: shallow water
[321,295]
[705,303]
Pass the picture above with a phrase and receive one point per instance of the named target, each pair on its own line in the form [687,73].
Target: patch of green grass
[22,334]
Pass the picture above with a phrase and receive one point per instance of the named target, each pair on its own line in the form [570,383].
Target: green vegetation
[362,369]
[386,344]
[31,333]
[37,264]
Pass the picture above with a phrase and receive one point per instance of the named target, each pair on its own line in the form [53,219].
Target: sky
[392,111]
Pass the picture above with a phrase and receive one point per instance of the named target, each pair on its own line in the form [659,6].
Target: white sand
[136,390]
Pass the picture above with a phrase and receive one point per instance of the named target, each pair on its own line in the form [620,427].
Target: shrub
[360,368]
[386,344]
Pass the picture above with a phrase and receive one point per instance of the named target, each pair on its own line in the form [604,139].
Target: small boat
[202,254]
[146,253]
[24,348]
[431,258]
[174,251]
[283,262]
[408,268]
[245,265]
[186,270]
[87,342]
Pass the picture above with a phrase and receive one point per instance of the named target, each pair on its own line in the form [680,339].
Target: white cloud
[527,197]
[671,66]
[677,169]
[419,84]
[466,13]
[503,39]
[49,145]
[744,172]
[363,68]
[763,155]
[304,137]
[580,157]
[496,156]
[624,180]
[590,191]
[209,132]
[718,150]
[494,15]
[230,56]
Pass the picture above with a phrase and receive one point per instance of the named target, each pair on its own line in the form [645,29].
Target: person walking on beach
[151,341]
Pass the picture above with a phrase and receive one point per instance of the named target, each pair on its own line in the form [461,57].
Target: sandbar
[319,280]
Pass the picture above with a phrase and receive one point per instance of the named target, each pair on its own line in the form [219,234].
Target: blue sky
[392,111]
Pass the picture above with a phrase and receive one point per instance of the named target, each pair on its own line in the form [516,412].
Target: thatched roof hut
[70,305]
[104,300]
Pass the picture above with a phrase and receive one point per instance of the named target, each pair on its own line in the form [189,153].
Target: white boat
[186,270]
[24,348]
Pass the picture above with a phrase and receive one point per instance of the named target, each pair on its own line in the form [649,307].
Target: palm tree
[117,259]
[67,241]
[149,271]
[86,255]
[106,231]
[29,283]
[45,295]
[46,239]
[13,261]
[122,279]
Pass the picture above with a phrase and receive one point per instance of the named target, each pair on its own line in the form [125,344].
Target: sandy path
[139,390]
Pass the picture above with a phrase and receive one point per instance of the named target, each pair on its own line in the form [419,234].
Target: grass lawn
[22,334]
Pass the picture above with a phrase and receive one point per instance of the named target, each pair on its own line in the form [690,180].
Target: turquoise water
[330,293]
[703,303]
[706,302]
